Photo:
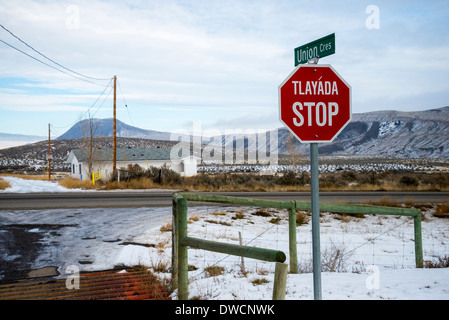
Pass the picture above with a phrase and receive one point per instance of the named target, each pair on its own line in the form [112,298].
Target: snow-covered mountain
[380,134]
[104,128]
[421,134]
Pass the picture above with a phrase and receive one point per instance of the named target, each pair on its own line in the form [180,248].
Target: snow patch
[19,185]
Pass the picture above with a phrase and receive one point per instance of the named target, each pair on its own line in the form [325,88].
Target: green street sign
[316,49]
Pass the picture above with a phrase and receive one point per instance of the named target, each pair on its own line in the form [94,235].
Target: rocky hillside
[381,135]
[32,157]
[423,134]
[104,128]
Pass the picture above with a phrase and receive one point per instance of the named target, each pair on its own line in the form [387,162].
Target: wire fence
[348,243]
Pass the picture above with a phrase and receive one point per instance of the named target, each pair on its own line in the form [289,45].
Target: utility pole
[114,156]
[49,154]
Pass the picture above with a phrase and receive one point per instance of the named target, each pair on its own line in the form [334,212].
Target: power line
[48,65]
[126,105]
[107,96]
[43,55]
[91,106]
[66,71]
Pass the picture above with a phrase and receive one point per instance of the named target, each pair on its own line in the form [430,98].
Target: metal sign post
[315,105]
[316,251]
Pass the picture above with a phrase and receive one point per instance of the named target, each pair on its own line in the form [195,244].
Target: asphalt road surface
[133,199]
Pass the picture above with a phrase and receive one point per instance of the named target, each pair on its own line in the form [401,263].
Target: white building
[103,160]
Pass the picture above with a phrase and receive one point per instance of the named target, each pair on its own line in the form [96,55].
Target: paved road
[123,199]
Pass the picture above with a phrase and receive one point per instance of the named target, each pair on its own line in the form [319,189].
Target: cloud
[215,60]
[48,103]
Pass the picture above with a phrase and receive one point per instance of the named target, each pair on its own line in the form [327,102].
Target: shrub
[275,220]
[332,181]
[442,262]
[259,281]
[442,211]
[262,213]
[408,181]
[213,271]
[289,179]
[166,227]
[349,176]
[439,180]
[163,175]
[302,218]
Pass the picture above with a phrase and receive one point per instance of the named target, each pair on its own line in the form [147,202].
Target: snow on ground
[375,254]
[19,185]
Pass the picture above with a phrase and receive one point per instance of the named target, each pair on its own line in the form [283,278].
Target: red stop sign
[315,103]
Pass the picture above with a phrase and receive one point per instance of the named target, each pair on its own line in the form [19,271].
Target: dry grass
[161,266]
[141,183]
[4,184]
[439,262]
[214,271]
[218,213]
[193,218]
[224,223]
[385,201]
[302,218]
[238,215]
[167,227]
[340,181]
[262,213]
[442,211]
[72,183]
[159,289]
[259,281]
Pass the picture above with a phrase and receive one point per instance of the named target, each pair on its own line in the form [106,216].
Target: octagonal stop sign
[315,103]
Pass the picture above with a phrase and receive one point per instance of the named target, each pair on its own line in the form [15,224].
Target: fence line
[181,241]
[269,237]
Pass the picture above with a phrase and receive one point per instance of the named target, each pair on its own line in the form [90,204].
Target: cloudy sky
[218,62]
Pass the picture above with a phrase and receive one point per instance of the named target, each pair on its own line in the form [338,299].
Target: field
[354,251]
[331,178]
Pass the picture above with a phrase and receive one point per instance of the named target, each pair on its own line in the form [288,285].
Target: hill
[374,135]
[32,157]
[104,128]
[421,134]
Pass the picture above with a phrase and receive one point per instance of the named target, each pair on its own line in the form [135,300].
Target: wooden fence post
[280,281]
[183,276]
[292,240]
[418,240]
[174,246]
